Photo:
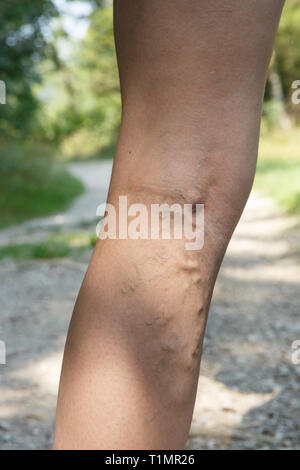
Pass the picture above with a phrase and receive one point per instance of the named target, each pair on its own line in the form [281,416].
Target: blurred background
[58,130]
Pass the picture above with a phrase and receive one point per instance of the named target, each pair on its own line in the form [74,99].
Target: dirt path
[249,389]
[95,177]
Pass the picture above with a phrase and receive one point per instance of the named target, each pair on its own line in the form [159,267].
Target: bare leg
[192,78]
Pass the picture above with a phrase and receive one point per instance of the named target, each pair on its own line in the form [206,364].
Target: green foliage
[55,246]
[287,45]
[100,77]
[272,110]
[278,171]
[22,45]
[84,114]
[32,184]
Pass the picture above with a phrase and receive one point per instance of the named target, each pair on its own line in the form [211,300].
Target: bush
[33,184]
[278,171]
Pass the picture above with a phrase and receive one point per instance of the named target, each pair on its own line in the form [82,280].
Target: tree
[86,118]
[287,45]
[22,45]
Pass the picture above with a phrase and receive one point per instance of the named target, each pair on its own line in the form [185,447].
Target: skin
[192,78]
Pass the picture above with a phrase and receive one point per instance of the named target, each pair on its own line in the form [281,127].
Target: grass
[56,246]
[33,184]
[278,171]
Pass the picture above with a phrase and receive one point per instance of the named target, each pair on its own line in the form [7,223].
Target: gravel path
[249,388]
